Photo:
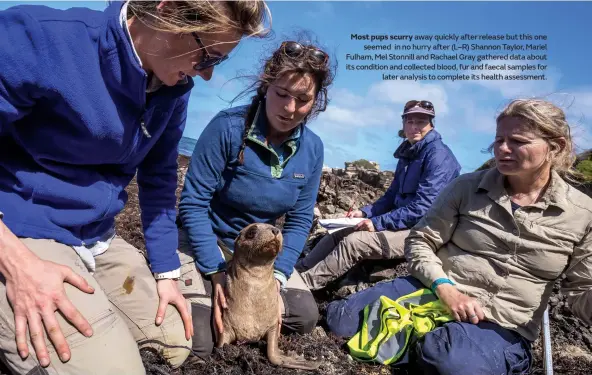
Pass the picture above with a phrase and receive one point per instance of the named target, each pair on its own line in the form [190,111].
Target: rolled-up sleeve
[430,233]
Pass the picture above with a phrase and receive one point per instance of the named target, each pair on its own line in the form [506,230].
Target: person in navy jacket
[425,166]
[87,99]
[255,164]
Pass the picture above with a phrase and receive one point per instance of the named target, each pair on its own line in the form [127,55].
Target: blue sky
[363,116]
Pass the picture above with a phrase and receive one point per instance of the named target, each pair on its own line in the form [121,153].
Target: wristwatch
[174,274]
[1,215]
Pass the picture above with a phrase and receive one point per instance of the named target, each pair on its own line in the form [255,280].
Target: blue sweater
[423,170]
[72,100]
[220,197]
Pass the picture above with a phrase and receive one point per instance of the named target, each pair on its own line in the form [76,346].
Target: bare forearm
[12,251]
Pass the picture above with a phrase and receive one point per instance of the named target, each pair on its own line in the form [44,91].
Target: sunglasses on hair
[427,105]
[207,60]
[295,50]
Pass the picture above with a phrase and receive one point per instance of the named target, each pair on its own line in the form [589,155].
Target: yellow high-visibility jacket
[389,326]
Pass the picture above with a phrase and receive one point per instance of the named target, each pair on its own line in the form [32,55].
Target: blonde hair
[207,16]
[549,122]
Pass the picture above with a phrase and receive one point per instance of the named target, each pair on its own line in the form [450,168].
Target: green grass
[363,163]
[585,167]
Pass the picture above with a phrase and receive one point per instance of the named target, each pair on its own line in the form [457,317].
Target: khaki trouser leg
[352,249]
[323,248]
[123,273]
[111,350]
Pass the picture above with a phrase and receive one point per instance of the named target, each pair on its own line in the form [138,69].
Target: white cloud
[359,117]
[520,88]
[345,97]
[577,103]
[381,106]
[478,119]
[400,92]
[335,151]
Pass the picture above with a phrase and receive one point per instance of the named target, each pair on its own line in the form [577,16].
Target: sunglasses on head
[427,105]
[295,50]
[207,60]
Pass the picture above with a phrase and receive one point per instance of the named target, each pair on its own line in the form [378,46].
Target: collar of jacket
[257,134]
[410,151]
[493,183]
[122,71]
[260,126]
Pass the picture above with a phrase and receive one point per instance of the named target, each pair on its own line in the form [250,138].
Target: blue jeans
[454,349]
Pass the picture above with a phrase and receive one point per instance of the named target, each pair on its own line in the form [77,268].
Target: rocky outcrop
[350,187]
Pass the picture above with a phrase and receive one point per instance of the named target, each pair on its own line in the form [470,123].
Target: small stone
[587,337]
[345,291]
[557,316]
[345,202]
[317,212]
[382,274]
[328,209]
[573,321]
[319,332]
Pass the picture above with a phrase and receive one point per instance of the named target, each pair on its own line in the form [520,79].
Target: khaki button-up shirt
[507,261]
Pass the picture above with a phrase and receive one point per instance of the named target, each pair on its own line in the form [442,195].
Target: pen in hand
[349,211]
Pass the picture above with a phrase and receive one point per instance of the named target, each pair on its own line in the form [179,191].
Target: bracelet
[440,281]
[175,274]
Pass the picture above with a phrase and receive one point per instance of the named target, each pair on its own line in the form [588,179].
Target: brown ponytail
[249,118]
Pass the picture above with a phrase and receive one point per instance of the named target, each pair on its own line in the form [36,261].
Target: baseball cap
[419,106]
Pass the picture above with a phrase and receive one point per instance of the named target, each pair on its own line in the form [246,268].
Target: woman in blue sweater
[255,164]
[87,99]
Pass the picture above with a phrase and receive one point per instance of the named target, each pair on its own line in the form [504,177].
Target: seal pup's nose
[275,231]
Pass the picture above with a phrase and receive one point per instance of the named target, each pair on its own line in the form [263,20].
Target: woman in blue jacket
[426,165]
[87,99]
[255,164]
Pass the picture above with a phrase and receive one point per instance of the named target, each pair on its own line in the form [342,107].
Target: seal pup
[252,296]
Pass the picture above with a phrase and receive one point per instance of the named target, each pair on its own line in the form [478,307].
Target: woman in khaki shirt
[492,246]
